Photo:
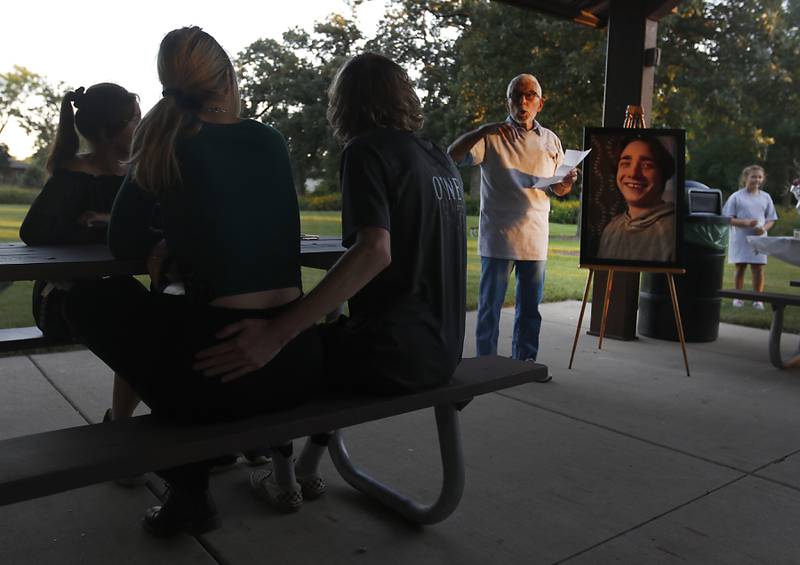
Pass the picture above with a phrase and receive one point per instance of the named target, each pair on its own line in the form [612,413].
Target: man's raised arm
[459,149]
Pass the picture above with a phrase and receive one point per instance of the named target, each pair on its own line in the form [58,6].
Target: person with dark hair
[514,216]
[404,272]
[646,230]
[231,225]
[75,204]
[752,212]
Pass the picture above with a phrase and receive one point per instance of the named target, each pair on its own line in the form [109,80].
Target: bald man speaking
[514,216]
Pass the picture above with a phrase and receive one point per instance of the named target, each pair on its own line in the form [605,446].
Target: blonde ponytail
[193,68]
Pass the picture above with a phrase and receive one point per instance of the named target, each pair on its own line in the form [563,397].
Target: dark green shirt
[234,223]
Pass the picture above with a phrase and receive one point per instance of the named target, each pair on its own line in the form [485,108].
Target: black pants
[150,340]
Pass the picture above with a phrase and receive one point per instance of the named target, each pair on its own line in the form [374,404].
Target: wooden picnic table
[19,262]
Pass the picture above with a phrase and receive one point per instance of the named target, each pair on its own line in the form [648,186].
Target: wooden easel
[634,118]
[607,299]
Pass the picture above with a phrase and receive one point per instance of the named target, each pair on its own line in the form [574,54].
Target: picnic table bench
[778,302]
[47,463]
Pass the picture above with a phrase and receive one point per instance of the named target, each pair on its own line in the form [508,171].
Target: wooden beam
[593,13]
[582,13]
[628,81]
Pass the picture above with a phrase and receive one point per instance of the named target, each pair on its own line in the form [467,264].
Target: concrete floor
[621,460]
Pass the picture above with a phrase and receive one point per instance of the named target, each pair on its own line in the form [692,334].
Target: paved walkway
[622,460]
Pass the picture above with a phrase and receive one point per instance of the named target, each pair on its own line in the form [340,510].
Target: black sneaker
[191,513]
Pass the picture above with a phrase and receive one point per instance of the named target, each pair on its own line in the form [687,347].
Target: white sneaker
[758,305]
[737,303]
[265,486]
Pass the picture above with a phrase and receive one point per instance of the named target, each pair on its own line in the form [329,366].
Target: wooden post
[629,80]
[606,299]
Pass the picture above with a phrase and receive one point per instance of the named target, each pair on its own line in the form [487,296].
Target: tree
[5,156]
[34,103]
[729,76]
[285,85]
[39,117]
[727,70]
[16,88]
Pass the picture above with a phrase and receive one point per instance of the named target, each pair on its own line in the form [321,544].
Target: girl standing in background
[752,213]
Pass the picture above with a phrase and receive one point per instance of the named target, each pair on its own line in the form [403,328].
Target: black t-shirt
[409,320]
[234,225]
[53,217]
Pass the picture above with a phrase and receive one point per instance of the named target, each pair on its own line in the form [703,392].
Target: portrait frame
[651,236]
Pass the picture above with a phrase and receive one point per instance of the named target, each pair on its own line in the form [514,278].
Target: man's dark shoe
[191,513]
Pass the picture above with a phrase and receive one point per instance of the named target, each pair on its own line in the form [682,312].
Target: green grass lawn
[564,279]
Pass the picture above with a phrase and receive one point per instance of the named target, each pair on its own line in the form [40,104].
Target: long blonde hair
[193,69]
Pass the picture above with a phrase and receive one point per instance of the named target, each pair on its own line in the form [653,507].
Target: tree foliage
[5,156]
[285,85]
[729,75]
[17,88]
[34,103]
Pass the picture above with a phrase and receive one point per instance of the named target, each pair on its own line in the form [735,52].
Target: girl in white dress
[752,213]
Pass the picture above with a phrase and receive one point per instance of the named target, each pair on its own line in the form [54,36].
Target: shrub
[561,211]
[473,205]
[320,202]
[17,195]
[788,220]
[564,211]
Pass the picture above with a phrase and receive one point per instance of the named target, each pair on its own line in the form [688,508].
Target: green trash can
[705,232]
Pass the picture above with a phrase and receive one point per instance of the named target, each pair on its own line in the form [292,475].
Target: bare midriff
[258,300]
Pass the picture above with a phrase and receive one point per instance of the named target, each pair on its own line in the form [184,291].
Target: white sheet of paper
[572,158]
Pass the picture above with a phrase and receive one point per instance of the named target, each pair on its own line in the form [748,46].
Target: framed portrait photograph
[632,204]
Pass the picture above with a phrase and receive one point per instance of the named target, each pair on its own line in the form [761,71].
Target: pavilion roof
[592,13]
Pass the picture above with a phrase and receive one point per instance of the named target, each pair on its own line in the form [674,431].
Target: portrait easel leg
[678,322]
[606,300]
[580,316]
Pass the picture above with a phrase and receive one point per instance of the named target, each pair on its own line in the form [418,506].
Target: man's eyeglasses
[529,96]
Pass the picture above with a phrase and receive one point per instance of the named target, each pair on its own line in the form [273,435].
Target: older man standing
[514,216]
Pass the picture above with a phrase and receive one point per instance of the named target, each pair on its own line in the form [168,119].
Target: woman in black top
[75,204]
[231,224]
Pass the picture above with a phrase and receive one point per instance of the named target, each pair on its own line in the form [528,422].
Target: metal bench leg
[775,330]
[452,473]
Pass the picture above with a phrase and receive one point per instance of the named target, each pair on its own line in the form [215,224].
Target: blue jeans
[527,319]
